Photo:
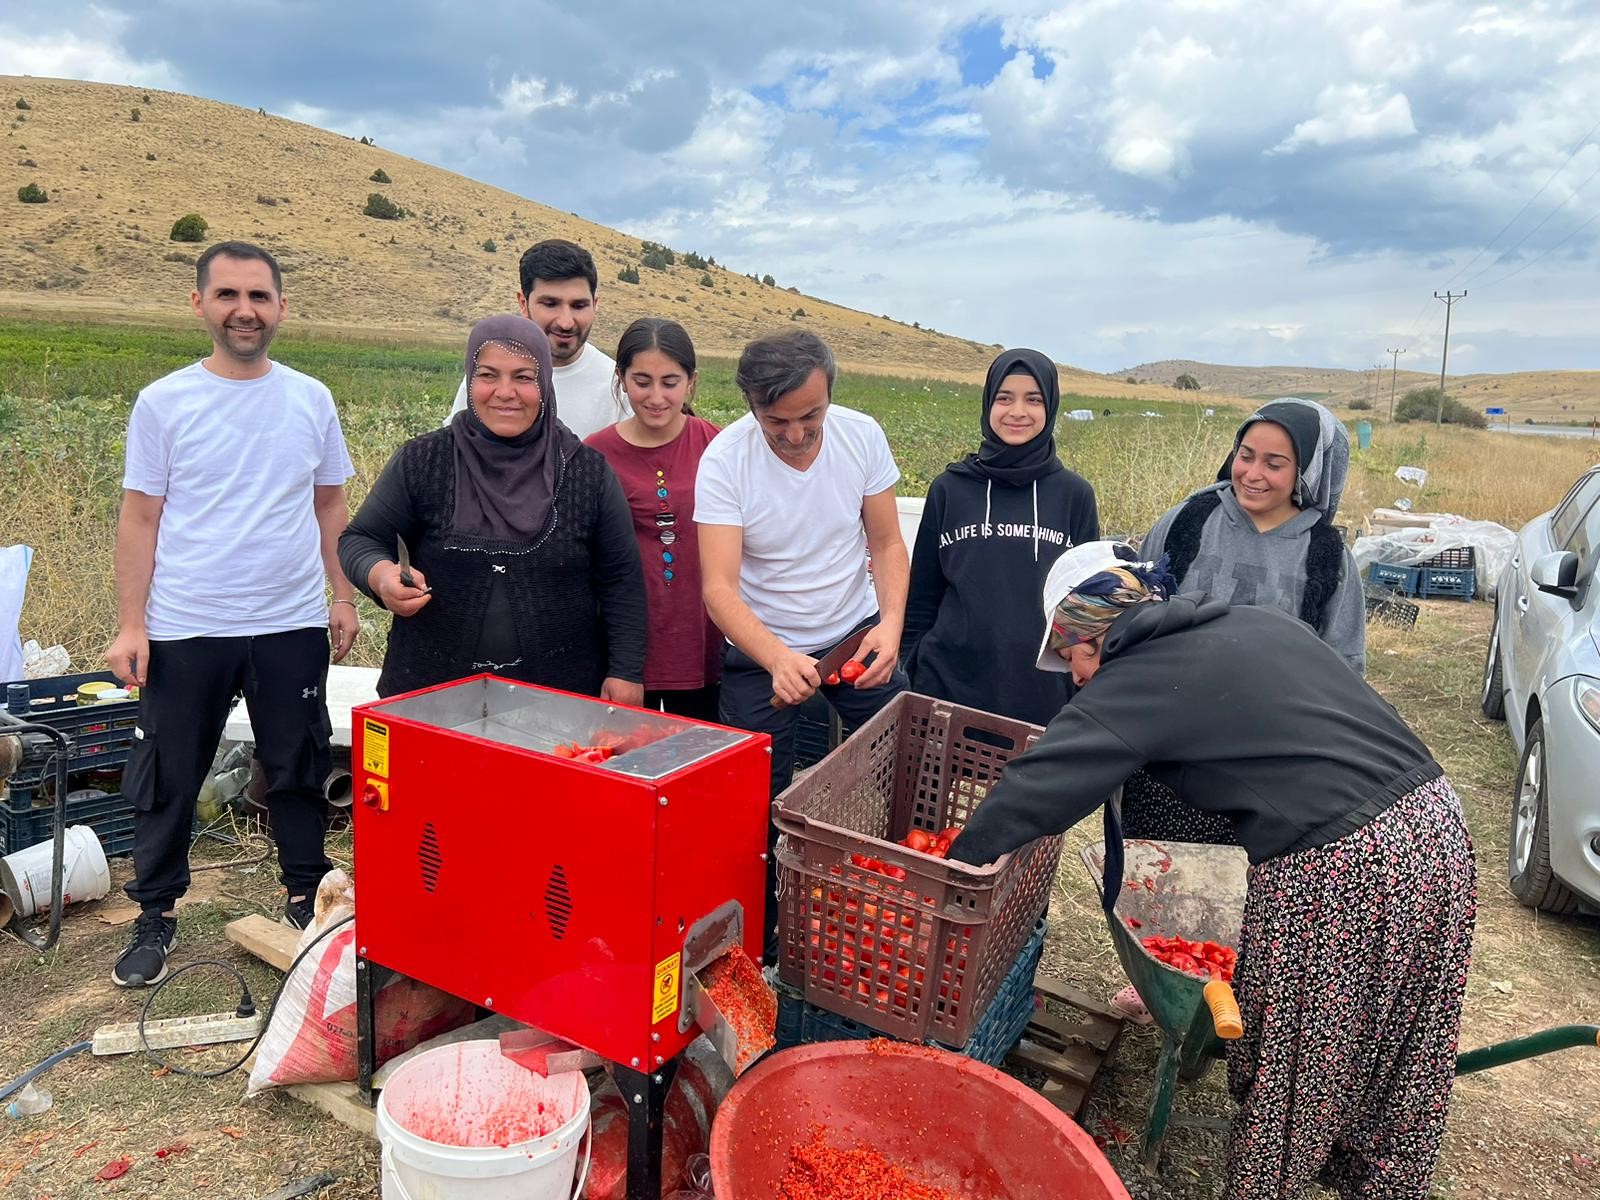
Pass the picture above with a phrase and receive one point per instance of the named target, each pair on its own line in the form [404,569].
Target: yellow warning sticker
[665,997]
[375,747]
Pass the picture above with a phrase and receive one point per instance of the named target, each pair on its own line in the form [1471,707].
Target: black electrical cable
[32,1073]
[246,1005]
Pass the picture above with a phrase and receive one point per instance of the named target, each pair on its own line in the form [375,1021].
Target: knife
[404,559]
[830,662]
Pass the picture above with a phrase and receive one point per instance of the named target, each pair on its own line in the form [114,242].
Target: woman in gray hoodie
[1262,534]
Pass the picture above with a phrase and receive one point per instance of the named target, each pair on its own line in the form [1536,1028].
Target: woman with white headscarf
[1357,929]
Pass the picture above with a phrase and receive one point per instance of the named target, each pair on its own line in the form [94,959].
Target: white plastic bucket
[85,875]
[463,1122]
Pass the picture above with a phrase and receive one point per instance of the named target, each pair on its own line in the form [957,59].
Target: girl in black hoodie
[993,525]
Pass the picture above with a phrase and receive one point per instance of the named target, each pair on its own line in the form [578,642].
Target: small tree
[694,261]
[797,314]
[769,281]
[381,207]
[380,176]
[23,104]
[1186,383]
[190,228]
[1423,404]
[655,258]
[488,246]
[135,115]
[628,275]
[706,280]
[150,156]
[32,193]
[1361,404]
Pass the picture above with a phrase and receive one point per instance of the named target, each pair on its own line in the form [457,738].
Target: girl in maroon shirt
[656,454]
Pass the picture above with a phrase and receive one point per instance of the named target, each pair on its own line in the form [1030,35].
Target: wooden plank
[1075,1067]
[1055,989]
[273,943]
[1068,1097]
[341,1101]
[1097,1033]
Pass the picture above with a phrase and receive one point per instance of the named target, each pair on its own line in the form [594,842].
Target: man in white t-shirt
[789,500]
[559,282]
[233,502]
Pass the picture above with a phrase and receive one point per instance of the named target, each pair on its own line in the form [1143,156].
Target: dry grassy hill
[99,247]
[1565,396]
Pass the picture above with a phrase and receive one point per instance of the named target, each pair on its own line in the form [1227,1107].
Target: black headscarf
[1016,465]
[506,487]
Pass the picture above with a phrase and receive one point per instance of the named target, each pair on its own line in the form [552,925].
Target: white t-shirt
[238,550]
[583,394]
[804,572]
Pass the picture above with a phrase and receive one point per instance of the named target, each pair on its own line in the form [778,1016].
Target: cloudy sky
[1113,181]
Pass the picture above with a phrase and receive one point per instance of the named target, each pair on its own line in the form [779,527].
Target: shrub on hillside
[23,104]
[134,115]
[150,156]
[694,261]
[178,256]
[769,281]
[381,207]
[32,193]
[269,201]
[1186,383]
[655,258]
[1361,404]
[190,228]
[380,176]
[628,275]
[706,280]
[489,246]
[1422,404]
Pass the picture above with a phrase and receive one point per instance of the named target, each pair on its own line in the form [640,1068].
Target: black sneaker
[298,914]
[145,960]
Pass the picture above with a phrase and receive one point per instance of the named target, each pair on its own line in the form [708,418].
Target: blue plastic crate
[998,1030]
[1456,582]
[1394,577]
[102,733]
[111,818]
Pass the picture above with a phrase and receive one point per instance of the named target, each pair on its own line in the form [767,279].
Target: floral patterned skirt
[1352,968]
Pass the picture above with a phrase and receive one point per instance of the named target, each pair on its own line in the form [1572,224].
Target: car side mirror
[1556,574]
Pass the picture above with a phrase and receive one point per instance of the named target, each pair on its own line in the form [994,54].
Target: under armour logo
[307,693]
[499,568]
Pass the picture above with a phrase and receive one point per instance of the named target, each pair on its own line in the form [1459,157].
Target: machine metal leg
[370,978]
[646,1096]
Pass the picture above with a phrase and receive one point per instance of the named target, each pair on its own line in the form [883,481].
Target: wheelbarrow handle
[1224,1010]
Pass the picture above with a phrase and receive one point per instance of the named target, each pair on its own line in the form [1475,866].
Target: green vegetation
[135,115]
[383,208]
[32,193]
[1423,404]
[629,275]
[1186,383]
[488,246]
[380,176]
[23,104]
[191,228]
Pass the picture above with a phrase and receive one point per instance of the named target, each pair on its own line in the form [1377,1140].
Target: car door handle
[1522,604]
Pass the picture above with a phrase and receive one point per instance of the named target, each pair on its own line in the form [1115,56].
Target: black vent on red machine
[558,902]
[429,856]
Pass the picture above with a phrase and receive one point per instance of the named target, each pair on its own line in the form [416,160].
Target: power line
[1582,142]
[1512,248]
[1545,253]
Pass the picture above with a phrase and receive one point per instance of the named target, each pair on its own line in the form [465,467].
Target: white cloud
[1351,112]
[69,55]
[525,95]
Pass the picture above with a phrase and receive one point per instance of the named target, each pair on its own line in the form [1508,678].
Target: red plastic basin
[954,1122]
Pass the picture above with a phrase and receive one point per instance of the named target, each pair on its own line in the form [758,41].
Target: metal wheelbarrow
[1198,892]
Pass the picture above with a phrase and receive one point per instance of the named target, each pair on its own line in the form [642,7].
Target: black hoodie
[1243,711]
[992,527]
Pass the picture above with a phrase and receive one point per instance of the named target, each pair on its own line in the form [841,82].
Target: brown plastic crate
[922,957]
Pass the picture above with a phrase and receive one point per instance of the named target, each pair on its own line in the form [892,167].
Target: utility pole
[1394,373]
[1449,299]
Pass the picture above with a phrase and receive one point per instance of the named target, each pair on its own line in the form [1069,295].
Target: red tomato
[918,840]
[832,680]
[852,671]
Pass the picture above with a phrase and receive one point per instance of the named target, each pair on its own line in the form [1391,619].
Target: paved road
[1568,431]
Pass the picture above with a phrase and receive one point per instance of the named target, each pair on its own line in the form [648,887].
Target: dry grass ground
[99,249]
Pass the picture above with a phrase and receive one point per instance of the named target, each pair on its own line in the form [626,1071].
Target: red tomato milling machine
[578,898]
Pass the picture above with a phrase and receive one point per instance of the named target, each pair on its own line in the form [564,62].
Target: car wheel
[1493,698]
[1532,880]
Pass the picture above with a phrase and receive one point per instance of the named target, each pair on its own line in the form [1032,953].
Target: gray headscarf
[1321,450]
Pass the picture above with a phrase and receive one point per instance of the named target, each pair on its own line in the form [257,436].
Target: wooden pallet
[1068,1050]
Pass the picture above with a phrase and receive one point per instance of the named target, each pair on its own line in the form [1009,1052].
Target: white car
[1542,676]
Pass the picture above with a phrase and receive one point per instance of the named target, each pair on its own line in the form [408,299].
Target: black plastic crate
[102,733]
[111,818]
[1390,608]
[814,735]
[1457,557]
